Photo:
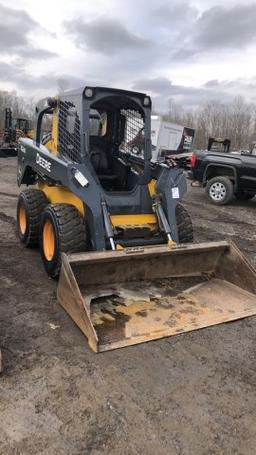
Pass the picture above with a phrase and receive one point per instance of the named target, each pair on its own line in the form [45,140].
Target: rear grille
[134,138]
[69,145]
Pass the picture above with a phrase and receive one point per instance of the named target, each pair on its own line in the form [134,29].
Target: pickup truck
[225,175]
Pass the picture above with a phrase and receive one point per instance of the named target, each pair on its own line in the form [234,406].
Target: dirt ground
[185,395]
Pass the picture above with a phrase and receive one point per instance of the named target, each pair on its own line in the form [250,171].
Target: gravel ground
[189,394]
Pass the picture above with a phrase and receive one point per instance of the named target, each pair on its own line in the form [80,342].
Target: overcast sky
[187,51]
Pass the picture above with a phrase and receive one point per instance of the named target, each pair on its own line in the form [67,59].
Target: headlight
[88,92]
[146,101]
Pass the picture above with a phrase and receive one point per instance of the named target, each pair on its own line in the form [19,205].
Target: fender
[222,166]
[36,160]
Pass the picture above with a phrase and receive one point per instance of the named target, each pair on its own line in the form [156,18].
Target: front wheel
[31,203]
[220,190]
[62,230]
[184,225]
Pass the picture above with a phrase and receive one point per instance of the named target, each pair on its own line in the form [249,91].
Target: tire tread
[184,225]
[71,233]
[35,203]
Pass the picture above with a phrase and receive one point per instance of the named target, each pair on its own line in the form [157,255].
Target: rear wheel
[184,225]
[220,190]
[31,204]
[244,195]
[62,230]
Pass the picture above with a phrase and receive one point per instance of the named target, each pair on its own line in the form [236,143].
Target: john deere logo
[43,163]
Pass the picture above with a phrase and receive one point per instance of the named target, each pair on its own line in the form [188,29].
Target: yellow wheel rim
[48,240]
[22,219]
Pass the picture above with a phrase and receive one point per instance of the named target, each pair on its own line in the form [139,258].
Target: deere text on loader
[112,228]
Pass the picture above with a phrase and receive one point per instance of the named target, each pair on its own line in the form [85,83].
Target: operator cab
[107,130]
[117,142]
[20,124]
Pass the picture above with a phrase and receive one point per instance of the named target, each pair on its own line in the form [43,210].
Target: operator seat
[99,160]
[101,165]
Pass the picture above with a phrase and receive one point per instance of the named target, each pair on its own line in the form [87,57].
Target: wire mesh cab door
[69,131]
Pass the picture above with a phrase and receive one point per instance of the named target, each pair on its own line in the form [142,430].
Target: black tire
[31,204]
[184,225]
[67,231]
[220,190]
[244,195]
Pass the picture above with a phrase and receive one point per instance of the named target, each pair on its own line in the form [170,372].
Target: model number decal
[43,163]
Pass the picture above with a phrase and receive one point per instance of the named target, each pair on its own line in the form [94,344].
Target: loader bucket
[125,297]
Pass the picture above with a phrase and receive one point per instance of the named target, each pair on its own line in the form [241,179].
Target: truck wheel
[220,190]
[244,195]
[184,225]
[31,204]
[62,230]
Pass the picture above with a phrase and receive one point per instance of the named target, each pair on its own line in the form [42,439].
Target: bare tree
[17,104]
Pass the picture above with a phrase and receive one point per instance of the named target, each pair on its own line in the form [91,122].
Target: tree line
[19,107]
[235,120]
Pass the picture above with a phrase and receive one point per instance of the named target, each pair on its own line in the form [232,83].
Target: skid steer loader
[110,225]
[14,128]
